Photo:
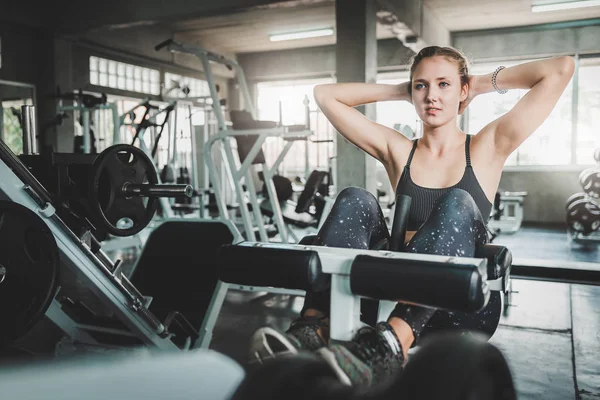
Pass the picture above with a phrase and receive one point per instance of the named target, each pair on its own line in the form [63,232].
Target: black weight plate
[573,198]
[112,169]
[590,182]
[29,258]
[583,216]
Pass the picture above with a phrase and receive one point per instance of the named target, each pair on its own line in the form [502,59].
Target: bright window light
[565,5]
[301,35]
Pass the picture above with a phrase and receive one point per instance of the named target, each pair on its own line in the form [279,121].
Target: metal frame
[224,136]
[345,306]
[85,113]
[510,222]
[95,271]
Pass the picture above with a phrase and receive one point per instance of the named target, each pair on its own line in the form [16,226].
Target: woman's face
[437,90]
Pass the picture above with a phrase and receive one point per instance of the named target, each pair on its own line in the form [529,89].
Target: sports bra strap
[412,153]
[468,150]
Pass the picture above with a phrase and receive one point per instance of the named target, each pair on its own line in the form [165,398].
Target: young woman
[452,178]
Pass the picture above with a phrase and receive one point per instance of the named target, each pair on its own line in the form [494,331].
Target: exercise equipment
[250,134]
[507,212]
[312,206]
[590,182]
[583,209]
[583,215]
[97,117]
[113,192]
[97,305]
[28,270]
[122,175]
[450,283]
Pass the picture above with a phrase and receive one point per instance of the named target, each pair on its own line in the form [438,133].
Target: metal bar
[149,190]
[258,217]
[574,111]
[87,145]
[256,148]
[276,208]
[214,176]
[30,143]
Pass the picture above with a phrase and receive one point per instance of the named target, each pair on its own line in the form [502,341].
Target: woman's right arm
[337,101]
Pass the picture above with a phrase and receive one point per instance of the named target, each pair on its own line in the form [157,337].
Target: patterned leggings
[454,228]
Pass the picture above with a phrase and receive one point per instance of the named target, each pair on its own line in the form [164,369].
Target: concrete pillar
[54,58]
[356,61]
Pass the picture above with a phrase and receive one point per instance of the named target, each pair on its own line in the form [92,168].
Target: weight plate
[113,168]
[573,198]
[29,266]
[583,216]
[590,182]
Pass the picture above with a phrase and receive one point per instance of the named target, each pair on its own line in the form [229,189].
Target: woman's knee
[459,201]
[355,196]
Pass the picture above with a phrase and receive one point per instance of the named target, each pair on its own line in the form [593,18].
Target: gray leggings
[454,228]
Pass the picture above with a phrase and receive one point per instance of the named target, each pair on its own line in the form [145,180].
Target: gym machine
[387,274]
[52,267]
[583,209]
[51,263]
[507,213]
[91,108]
[250,134]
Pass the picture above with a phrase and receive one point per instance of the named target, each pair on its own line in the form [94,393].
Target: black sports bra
[424,198]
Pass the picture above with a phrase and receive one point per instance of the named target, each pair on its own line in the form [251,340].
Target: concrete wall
[314,61]
[547,192]
[541,40]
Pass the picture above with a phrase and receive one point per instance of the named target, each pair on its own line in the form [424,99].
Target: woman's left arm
[547,80]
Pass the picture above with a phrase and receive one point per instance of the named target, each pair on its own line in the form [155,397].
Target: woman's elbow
[320,92]
[565,66]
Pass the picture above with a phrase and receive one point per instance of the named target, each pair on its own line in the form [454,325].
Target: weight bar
[147,190]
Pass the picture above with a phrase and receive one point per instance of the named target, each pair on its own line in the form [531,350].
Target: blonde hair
[448,52]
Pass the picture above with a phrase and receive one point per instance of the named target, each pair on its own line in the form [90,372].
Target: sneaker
[349,369]
[268,343]
[376,348]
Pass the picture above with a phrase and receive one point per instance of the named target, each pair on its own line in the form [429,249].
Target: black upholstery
[315,179]
[499,259]
[303,220]
[178,267]
[242,120]
[451,286]
[258,266]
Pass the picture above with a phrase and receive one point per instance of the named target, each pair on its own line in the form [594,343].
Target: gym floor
[550,337]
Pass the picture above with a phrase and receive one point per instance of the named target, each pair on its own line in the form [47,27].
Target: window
[285,100]
[118,75]
[176,86]
[549,145]
[588,114]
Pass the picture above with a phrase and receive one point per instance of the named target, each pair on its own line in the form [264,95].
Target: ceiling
[248,30]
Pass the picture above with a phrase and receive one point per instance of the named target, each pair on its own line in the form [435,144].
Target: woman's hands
[471,94]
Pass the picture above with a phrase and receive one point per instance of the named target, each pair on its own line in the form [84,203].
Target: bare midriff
[409,235]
